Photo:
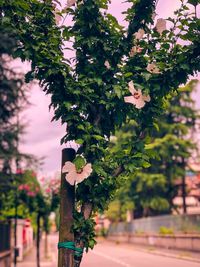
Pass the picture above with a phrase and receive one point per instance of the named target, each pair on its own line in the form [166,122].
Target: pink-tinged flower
[42,179]
[34,174]
[161,25]
[48,190]
[73,176]
[153,68]
[31,194]
[19,171]
[135,50]
[70,3]
[139,35]
[137,98]
[37,189]
[58,17]
[21,187]
[56,191]
[107,64]
[26,187]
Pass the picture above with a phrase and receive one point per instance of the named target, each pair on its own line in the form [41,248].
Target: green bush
[166,231]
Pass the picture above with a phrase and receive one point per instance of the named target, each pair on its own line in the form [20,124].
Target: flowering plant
[89,93]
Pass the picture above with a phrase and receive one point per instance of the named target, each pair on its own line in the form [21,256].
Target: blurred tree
[171,147]
[12,100]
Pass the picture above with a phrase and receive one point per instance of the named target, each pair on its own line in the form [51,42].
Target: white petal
[161,25]
[147,98]
[68,167]
[153,68]
[71,177]
[87,170]
[131,87]
[140,103]
[71,3]
[130,99]
[58,18]
[139,35]
[107,64]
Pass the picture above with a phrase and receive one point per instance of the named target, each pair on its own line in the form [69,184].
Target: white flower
[73,176]
[135,50]
[107,64]
[70,3]
[153,68]
[161,25]
[58,18]
[139,35]
[137,98]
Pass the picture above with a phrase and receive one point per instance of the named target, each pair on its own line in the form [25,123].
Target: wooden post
[67,201]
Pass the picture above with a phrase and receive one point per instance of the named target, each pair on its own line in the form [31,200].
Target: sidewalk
[51,261]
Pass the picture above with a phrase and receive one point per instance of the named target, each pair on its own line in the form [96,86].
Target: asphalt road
[112,255]
[107,254]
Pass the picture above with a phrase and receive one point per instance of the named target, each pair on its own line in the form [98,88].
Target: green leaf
[194,2]
[80,141]
[118,91]
[79,162]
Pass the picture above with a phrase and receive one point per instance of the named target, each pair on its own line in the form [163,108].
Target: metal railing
[5,236]
[178,223]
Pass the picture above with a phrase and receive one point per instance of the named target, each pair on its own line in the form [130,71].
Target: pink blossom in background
[48,190]
[21,187]
[19,171]
[26,187]
[37,189]
[31,194]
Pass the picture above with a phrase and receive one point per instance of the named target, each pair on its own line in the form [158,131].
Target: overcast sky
[43,136]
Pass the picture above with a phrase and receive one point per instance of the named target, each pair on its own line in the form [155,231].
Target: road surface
[108,254]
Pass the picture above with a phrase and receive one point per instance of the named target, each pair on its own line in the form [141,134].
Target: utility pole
[16,251]
[67,202]
[18,172]
[184,192]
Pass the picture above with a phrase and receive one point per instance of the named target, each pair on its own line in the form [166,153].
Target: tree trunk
[38,241]
[67,201]
[184,195]
[15,231]
[86,209]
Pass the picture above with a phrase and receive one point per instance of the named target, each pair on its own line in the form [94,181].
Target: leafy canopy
[87,92]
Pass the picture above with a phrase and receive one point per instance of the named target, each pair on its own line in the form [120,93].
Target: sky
[42,137]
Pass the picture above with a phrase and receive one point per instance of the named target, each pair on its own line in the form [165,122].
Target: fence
[178,224]
[5,247]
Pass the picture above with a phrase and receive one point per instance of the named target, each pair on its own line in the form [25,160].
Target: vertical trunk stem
[67,201]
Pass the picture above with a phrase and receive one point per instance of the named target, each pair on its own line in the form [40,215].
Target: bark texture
[67,200]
